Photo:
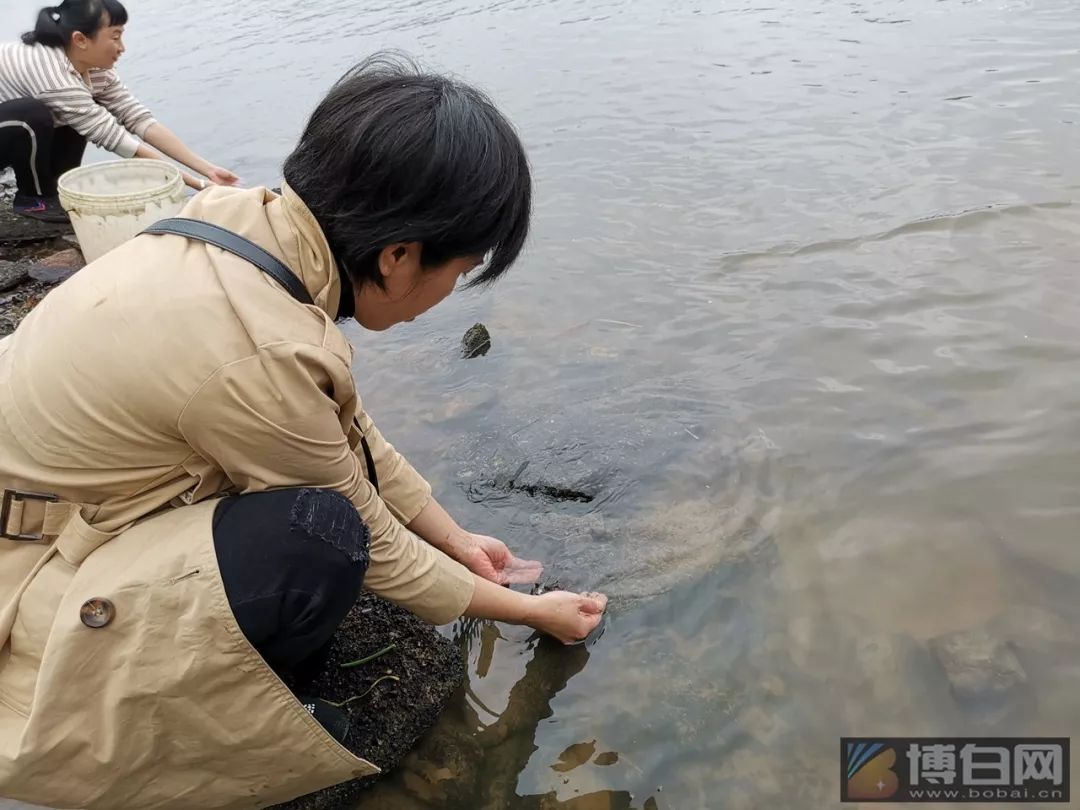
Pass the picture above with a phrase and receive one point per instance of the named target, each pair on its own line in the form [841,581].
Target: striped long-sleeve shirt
[103,111]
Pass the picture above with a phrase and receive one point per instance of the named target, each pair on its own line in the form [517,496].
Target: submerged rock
[591,490]
[984,674]
[436,773]
[476,343]
[890,667]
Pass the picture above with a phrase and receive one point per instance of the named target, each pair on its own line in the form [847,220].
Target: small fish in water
[541,588]
[476,343]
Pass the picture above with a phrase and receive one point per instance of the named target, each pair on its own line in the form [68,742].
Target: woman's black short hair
[393,154]
[56,25]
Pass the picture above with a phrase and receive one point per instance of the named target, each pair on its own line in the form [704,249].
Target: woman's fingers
[222,177]
[593,602]
[569,617]
[523,572]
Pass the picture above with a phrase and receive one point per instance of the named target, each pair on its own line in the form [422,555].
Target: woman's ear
[80,40]
[400,259]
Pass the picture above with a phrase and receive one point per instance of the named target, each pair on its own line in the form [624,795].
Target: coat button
[97,612]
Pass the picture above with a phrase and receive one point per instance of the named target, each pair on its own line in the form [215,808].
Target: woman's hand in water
[221,177]
[491,559]
[569,617]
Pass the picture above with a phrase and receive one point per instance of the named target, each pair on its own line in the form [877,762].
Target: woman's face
[101,50]
[410,289]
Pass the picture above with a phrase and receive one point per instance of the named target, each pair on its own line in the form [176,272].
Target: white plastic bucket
[110,203]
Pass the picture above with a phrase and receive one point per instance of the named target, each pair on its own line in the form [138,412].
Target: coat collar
[281,224]
[309,256]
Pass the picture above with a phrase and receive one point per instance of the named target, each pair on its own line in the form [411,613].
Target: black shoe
[334,719]
[45,209]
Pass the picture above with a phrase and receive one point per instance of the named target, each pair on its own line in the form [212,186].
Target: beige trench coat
[161,377]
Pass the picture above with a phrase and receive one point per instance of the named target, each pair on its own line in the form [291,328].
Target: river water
[801,312]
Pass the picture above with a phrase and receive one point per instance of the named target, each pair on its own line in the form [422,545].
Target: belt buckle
[12,496]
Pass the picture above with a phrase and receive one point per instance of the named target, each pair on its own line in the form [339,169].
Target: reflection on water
[801,312]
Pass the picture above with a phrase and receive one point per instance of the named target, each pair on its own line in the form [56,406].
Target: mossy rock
[476,343]
[387,722]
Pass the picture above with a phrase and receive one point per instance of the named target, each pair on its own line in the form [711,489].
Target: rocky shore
[34,258]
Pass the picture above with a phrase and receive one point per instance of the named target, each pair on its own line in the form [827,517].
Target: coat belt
[45,519]
[32,516]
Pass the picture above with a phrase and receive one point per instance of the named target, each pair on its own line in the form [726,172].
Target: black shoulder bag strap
[234,243]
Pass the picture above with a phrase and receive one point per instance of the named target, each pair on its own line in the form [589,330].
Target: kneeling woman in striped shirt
[58,90]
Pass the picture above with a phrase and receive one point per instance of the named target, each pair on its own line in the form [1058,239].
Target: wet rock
[1035,630]
[391,716]
[897,686]
[601,452]
[984,674]
[15,229]
[12,274]
[58,267]
[476,343]
[536,464]
[15,305]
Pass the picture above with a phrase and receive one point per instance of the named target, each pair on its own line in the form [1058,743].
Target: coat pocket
[34,615]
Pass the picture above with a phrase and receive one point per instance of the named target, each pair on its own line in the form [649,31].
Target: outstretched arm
[484,556]
[569,617]
[160,139]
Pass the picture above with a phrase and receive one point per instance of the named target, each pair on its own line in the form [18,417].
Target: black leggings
[38,151]
[293,562]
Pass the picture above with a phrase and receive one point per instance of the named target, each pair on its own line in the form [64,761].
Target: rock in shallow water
[984,674]
[476,343]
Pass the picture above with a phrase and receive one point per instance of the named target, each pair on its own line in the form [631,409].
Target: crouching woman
[193,494]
